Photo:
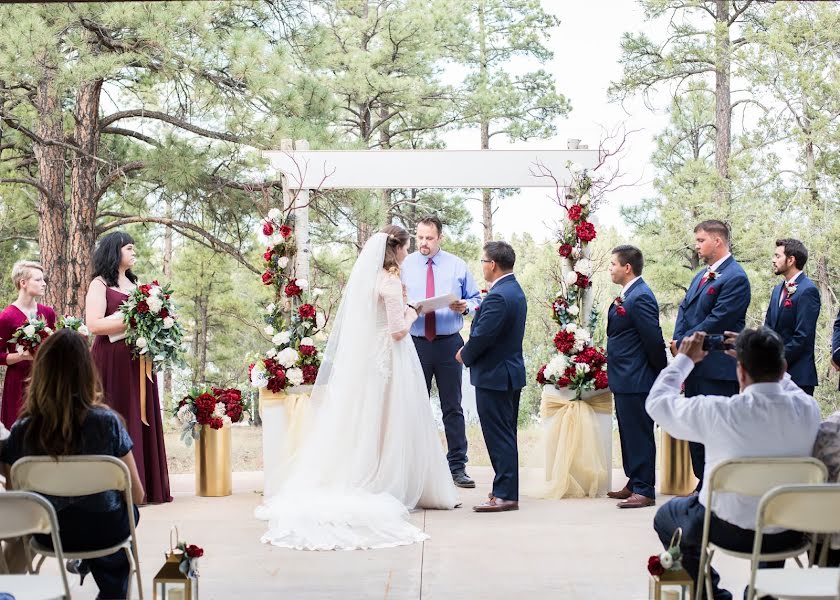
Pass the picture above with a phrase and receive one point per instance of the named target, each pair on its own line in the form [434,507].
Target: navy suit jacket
[835,341]
[716,306]
[797,325]
[635,346]
[494,351]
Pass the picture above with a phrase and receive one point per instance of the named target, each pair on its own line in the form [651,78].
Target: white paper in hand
[115,337]
[427,305]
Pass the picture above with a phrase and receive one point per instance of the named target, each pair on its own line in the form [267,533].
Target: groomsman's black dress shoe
[496,505]
[462,480]
[621,494]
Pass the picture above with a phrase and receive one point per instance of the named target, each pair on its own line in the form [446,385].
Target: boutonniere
[712,292]
[712,275]
[619,306]
[791,288]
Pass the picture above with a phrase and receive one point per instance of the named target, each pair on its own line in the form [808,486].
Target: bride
[371,452]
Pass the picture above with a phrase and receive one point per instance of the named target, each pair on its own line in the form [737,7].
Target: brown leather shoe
[496,505]
[636,501]
[621,494]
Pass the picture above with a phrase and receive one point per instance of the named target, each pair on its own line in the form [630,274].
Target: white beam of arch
[395,169]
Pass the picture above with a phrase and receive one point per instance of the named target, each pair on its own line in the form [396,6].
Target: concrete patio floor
[576,549]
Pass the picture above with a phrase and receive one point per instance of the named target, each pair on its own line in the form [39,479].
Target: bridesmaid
[118,369]
[30,283]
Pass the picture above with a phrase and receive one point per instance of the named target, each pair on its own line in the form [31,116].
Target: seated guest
[63,415]
[827,449]
[771,416]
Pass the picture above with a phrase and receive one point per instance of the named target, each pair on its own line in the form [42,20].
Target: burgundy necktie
[784,295]
[430,293]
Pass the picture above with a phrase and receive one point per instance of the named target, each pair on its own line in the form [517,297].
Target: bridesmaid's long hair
[63,388]
[397,237]
[107,257]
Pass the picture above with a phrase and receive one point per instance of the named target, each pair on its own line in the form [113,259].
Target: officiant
[430,272]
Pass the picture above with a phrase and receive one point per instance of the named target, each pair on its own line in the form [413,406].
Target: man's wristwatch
[412,307]
[466,311]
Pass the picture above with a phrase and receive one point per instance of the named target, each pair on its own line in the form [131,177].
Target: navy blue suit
[797,326]
[716,306]
[497,370]
[636,355]
[835,342]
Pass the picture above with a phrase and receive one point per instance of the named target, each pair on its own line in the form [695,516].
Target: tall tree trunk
[486,194]
[83,200]
[52,209]
[201,304]
[386,215]
[723,101]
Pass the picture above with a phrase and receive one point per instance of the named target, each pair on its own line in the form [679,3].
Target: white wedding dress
[371,451]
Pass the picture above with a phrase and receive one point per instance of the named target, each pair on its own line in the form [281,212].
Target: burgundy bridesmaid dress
[120,374]
[17,375]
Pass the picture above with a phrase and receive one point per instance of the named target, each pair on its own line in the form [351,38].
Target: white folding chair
[752,477]
[81,476]
[808,508]
[24,514]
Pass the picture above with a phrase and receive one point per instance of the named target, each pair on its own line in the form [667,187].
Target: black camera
[716,343]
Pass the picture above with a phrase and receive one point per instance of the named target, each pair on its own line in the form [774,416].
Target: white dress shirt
[629,283]
[766,419]
[500,278]
[717,265]
[788,282]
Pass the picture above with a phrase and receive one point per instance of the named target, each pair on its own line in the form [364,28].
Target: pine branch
[167,118]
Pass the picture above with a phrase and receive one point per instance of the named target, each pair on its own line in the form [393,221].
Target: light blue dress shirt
[451,277]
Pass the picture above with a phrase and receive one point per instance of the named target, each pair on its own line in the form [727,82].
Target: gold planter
[213,475]
[677,476]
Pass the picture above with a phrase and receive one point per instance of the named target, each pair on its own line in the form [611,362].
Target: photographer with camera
[770,416]
[716,301]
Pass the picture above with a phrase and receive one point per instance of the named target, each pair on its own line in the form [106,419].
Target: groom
[497,370]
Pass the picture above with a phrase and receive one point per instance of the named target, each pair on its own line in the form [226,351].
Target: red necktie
[704,279]
[784,295]
[430,293]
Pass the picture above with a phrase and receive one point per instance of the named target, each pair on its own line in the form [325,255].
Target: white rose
[168,322]
[29,330]
[666,559]
[576,168]
[302,283]
[269,330]
[571,327]
[582,368]
[83,329]
[274,214]
[307,341]
[154,290]
[295,376]
[141,342]
[320,320]
[585,199]
[283,262]
[272,352]
[287,357]
[317,292]
[584,265]
[270,308]
[573,310]
[155,303]
[571,278]
[219,411]
[281,338]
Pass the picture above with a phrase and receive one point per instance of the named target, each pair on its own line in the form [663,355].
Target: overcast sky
[586,53]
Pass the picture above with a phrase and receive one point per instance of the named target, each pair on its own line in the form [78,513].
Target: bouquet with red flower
[29,336]
[153,329]
[216,407]
[190,553]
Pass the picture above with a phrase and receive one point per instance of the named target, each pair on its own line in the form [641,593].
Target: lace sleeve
[391,291]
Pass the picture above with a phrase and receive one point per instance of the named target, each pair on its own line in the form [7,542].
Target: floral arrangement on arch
[216,407]
[292,320]
[579,365]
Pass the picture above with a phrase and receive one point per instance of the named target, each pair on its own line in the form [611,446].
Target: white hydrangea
[154,290]
[274,214]
[283,262]
[281,338]
[571,327]
[271,353]
[573,310]
[287,357]
[29,330]
[295,376]
[571,278]
[269,330]
[168,322]
[556,366]
[302,283]
[155,303]
[219,411]
[307,341]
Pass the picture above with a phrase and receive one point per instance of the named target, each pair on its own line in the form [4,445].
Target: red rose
[145,289]
[575,212]
[563,382]
[564,341]
[306,311]
[788,303]
[267,278]
[582,281]
[655,567]
[292,289]
[268,254]
[585,231]
[234,411]
[205,403]
[621,311]
[277,383]
[194,551]
[142,307]
[310,373]
[43,334]
[268,228]
[216,423]
[133,322]
[163,313]
[541,375]
[565,250]
[712,292]
[308,350]
[285,231]
[601,381]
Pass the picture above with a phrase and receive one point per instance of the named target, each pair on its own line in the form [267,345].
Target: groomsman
[793,312]
[636,355]
[716,301]
[427,273]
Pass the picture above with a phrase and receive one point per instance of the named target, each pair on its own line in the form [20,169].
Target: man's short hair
[630,254]
[713,226]
[501,253]
[761,353]
[796,249]
[432,220]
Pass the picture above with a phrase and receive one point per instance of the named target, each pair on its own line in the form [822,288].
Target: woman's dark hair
[107,257]
[397,237]
[63,388]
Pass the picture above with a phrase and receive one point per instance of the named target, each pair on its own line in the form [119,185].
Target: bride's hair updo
[397,237]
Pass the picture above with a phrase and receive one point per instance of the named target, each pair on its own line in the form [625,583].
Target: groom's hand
[458,357]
